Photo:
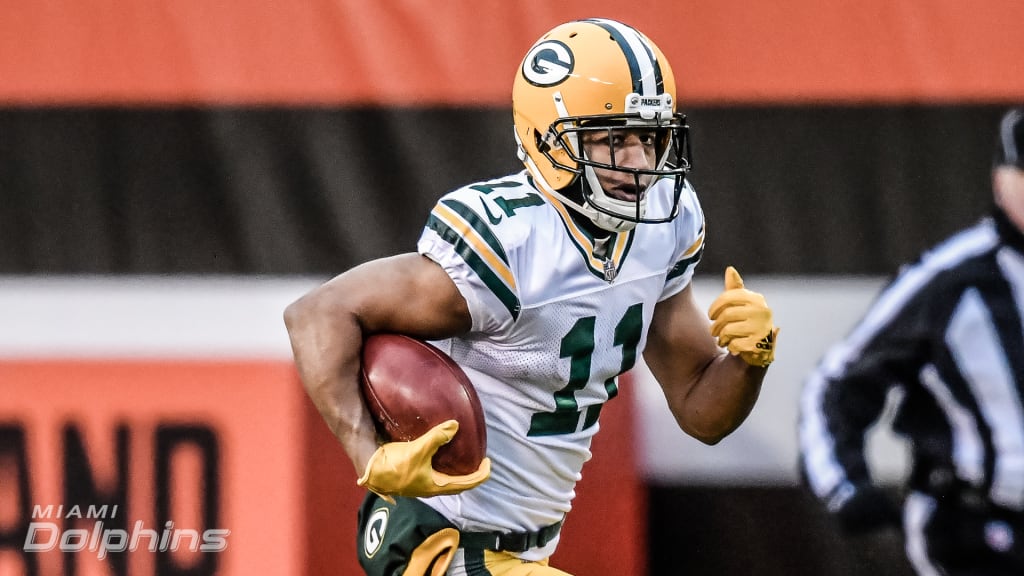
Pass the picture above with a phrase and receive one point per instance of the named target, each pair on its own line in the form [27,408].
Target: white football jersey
[553,326]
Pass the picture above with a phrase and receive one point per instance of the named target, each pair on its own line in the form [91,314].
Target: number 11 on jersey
[578,346]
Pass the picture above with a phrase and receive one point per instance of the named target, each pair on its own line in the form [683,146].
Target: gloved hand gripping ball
[404,468]
[742,322]
[419,398]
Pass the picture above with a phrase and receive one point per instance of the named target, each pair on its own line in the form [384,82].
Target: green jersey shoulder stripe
[478,227]
[681,266]
[468,246]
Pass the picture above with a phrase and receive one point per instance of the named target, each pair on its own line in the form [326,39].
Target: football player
[544,286]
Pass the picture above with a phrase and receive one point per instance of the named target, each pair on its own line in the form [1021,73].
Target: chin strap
[598,196]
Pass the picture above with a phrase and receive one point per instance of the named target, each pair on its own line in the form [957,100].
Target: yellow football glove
[404,468]
[742,322]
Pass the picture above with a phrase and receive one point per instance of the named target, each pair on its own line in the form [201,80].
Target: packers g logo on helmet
[548,64]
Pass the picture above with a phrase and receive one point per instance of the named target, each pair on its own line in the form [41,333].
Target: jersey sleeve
[690,244]
[460,239]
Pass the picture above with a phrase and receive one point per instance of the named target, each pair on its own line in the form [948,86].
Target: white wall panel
[227,317]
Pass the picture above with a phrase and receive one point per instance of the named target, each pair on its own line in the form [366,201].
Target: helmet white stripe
[646,72]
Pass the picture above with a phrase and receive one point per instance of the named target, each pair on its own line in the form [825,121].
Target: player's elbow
[295,315]
[707,431]
[709,438]
[306,310]
[301,319]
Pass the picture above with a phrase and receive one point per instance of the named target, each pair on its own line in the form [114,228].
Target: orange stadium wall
[214,447]
[102,441]
[463,52]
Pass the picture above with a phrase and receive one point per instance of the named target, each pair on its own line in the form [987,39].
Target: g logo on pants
[376,526]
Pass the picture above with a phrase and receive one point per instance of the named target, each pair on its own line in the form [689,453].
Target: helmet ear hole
[538,140]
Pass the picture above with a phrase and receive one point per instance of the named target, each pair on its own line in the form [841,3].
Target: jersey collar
[604,257]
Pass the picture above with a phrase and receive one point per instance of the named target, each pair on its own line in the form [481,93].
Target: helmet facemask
[672,155]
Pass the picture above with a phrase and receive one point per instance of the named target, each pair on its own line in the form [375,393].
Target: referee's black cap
[1010,142]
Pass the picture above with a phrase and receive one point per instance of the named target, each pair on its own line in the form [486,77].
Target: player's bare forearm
[326,340]
[719,400]
[405,294]
[709,391]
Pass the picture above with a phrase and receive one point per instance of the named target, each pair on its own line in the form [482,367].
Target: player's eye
[598,137]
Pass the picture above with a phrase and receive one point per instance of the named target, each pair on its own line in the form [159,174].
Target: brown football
[410,386]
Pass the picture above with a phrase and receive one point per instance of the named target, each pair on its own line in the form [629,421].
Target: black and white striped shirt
[948,331]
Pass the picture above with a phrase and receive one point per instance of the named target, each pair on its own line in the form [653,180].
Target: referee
[948,332]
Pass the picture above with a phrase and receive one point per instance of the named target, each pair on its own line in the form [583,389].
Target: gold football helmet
[597,74]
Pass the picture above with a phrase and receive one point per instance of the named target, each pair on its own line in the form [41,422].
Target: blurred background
[173,173]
